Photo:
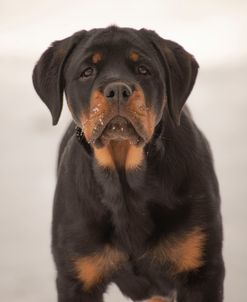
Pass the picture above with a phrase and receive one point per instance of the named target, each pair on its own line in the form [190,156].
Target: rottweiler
[137,200]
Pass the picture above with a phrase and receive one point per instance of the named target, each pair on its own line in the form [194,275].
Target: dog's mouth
[119,128]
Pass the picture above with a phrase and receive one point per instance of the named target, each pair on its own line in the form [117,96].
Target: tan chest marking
[184,253]
[120,154]
[93,268]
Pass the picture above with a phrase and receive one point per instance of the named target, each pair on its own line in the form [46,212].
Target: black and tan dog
[137,200]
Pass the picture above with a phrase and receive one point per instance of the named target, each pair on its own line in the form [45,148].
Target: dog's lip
[120,128]
[97,132]
[104,123]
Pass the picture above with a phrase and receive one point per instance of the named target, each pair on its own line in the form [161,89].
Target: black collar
[79,134]
[82,140]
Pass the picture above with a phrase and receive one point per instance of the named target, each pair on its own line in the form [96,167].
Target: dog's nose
[117,92]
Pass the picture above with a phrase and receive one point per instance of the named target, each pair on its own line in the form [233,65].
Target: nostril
[126,93]
[110,94]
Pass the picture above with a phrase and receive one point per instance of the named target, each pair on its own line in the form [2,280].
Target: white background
[214,31]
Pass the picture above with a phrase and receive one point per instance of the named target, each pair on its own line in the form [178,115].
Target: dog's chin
[119,129]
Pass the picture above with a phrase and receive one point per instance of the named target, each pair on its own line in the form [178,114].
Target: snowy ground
[29,144]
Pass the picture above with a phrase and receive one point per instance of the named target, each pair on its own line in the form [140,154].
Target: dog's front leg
[204,285]
[71,290]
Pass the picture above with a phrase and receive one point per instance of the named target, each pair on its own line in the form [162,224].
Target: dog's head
[117,82]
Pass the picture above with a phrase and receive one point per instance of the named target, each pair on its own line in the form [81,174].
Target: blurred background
[214,31]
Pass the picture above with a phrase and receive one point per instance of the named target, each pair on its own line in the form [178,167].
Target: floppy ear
[48,77]
[180,72]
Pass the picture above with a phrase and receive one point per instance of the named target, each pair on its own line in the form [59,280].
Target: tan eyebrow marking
[96,58]
[134,56]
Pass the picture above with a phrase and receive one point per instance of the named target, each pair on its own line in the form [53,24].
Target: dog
[137,201]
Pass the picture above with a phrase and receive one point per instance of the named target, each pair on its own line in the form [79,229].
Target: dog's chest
[133,223]
[140,222]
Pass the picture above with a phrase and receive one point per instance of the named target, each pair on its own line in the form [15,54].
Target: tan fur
[134,157]
[134,56]
[99,107]
[96,58]
[104,157]
[93,268]
[158,299]
[184,253]
[137,106]
[119,154]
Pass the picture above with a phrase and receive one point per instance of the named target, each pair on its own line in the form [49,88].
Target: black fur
[174,190]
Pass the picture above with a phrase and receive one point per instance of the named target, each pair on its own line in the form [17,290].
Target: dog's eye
[141,69]
[87,72]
